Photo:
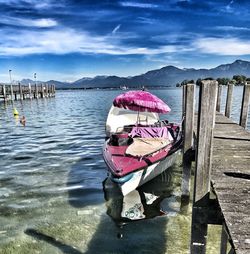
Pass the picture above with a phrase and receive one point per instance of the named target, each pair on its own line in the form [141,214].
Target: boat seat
[145,146]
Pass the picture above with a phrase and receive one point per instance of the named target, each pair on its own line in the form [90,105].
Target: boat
[139,146]
[124,87]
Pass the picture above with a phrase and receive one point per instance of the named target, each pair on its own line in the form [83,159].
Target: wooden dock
[230,176]
[222,167]
[21,92]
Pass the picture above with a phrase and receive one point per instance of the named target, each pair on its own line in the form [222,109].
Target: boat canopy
[141,101]
[120,117]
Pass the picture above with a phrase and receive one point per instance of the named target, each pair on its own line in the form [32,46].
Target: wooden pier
[222,168]
[21,92]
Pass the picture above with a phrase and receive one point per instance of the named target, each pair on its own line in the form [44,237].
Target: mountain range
[166,76]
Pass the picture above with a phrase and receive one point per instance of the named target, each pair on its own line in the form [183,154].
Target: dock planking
[230,177]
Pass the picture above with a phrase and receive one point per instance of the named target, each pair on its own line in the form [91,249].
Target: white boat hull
[142,176]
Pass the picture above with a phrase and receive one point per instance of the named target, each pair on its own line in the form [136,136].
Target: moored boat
[139,146]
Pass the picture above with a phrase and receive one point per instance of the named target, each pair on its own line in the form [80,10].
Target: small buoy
[23,120]
[119,235]
[15,112]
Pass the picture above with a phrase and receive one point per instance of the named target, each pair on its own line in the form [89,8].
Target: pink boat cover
[141,101]
[151,132]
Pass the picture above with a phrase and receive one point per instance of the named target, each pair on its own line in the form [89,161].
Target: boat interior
[142,140]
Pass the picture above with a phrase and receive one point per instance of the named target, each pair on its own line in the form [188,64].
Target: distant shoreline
[115,88]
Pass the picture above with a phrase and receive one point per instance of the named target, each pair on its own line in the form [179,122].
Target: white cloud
[223,46]
[43,23]
[229,6]
[64,40]
[138,5]
[45,4]
[232,28]
[116,29]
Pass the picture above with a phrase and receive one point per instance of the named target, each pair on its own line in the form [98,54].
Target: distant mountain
[59,84]
[29,81]
[166,76]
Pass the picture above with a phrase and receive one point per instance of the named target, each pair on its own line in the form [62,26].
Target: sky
[68,39]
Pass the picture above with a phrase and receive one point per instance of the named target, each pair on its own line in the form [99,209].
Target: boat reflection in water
[146,202]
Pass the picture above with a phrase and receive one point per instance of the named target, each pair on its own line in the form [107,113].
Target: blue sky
[67,40]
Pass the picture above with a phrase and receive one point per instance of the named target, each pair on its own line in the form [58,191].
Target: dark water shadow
[85,182]
[67,249]
[135,223]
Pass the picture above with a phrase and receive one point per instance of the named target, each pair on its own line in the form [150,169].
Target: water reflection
[148,201]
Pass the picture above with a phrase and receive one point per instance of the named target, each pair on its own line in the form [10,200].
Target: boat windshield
[119,117]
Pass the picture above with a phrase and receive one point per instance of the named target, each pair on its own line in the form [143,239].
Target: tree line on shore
[237,80]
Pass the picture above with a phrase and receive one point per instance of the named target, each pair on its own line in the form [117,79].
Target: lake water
[51,182]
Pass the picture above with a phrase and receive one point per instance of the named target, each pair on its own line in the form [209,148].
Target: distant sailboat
[124,87]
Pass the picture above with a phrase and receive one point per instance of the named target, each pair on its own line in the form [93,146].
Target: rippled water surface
[51,174]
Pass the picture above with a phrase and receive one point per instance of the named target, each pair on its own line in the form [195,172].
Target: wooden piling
[36,91]
[30,92]
[245,105]
[219,98]
[229,100]
[188,114]
[42,91]
[206,120]
[46,90]
[53,90]
[4,93]
[224,240]
[20,91]
[50,90]
[11,92]
[184,88]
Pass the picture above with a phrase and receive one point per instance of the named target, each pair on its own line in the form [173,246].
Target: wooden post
[20,91]
[245,105]
[206,122]
[50,90]
[42,91]
[30,93]
[46,90]
[228,108]
[11,92]
[224,240]
[219,98]
[36,91]
[184,89]
[188,138]
[4,93]
[54,90]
